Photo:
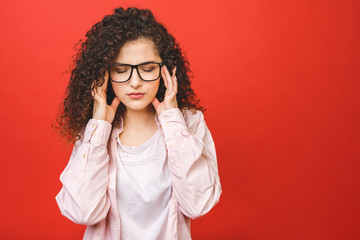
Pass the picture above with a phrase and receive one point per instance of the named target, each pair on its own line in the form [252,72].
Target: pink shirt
[88,195]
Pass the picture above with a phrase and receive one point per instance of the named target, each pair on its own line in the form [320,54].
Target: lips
[136,95]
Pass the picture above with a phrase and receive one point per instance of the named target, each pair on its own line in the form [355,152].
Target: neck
[139,119]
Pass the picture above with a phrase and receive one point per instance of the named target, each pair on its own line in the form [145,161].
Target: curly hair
[100,48]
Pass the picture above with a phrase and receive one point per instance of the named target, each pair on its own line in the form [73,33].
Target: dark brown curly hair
[99,49]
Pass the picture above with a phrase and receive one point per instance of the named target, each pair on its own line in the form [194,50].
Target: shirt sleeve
[83,197]
[192,161]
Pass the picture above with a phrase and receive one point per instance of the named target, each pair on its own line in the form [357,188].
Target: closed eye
[147,70]
[121,69]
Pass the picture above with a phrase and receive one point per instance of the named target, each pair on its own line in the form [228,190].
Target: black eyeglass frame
[137,69]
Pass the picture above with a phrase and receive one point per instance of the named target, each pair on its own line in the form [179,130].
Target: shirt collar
[117,130]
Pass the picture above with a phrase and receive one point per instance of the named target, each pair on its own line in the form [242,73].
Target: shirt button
[84,155]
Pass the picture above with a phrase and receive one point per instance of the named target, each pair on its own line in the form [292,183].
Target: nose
[135,80]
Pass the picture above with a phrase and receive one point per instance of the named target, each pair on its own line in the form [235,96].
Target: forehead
[138,51]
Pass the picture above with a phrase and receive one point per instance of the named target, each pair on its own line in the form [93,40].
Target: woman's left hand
[170,93]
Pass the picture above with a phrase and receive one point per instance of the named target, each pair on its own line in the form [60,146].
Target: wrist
[99,112]
[170,105]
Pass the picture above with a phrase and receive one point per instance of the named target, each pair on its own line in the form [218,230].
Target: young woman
[144,161]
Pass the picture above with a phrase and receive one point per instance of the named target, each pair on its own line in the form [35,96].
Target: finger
[169,81]
[155,102]
[104,85]
[175,88]
[164,76]
[96,92]
[101,90]
[106,78]
[115,103]
[174,81]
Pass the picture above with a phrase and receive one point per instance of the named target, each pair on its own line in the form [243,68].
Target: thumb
[115,103]
[155,102]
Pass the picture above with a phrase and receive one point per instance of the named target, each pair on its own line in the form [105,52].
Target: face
[137,94]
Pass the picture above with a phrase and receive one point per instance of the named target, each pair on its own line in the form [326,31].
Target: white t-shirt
[143,189]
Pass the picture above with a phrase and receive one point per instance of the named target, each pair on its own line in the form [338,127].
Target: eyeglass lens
[147,71]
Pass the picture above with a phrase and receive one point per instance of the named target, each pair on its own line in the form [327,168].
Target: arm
[192,162]
[83,198]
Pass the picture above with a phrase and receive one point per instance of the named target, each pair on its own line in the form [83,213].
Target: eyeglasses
[148,71]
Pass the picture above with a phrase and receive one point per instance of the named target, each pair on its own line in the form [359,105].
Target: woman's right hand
[102,111]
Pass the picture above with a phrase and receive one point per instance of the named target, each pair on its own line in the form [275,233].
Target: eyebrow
[149,61]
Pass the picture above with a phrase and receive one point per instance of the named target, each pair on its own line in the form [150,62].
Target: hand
[170,93]
[102,111]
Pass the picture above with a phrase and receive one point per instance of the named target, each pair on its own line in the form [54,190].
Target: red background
[280,80]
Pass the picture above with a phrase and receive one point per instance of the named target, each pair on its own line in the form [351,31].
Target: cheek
[118,89]
[155,88]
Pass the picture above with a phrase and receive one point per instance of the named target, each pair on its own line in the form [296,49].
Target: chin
[137,106]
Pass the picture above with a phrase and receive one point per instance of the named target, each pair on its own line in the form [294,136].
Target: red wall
[280,80]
